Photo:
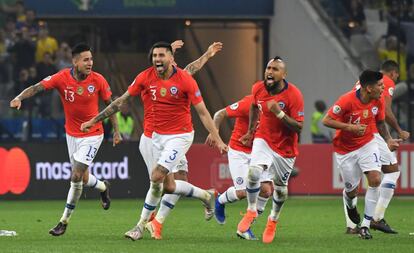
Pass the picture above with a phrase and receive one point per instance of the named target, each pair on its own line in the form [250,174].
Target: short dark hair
[320,105]
[390,65]
[79,48]
[369,77]
[159,44]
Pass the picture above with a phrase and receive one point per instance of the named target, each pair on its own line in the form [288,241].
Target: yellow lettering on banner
[149,3]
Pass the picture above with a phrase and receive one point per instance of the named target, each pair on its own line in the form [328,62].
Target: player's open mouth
[159,66]
[269,79]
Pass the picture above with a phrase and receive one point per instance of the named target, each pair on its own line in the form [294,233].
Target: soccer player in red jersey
[239,158]
[80,89]
[275,144]
[172,90]
[355,115]
[390,71]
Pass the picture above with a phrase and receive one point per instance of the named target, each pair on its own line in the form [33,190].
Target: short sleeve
[240,108]
[194,93]
[136,86]
[105,91]
[51,82]
[381,110]
[338,109]
[297,107]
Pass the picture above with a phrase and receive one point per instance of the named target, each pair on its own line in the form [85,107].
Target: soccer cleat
[155,229]
[219,212]
[364,233]
[246,221]
[135,233]
[105,199]
[59,229]
[270,231]
[353,215]
[352,231]
[152,217]
[248,235]
[382,226]
[209,206]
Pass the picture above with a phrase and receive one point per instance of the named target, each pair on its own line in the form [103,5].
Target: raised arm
[112,108]
[196,65]
[27,93]
[290,122]
[209,125]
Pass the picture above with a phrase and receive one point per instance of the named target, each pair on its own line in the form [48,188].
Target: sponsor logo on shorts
[234,106]
[239,180]
[173,90]
[348,185]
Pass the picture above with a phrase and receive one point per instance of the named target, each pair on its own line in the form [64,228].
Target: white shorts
[169,150]
[353,164]
[278,167]
[83,149]
[387,157]
[146,149]
[239,169]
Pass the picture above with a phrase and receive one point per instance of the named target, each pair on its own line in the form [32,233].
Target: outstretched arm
[27,93]
[196,65]
[218,118]
[108,111]
[117,138]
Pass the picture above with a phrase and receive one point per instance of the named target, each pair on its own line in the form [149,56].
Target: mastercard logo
[14,171]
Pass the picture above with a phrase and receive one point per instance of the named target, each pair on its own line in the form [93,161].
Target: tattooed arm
[27,93]
[196,65]
[117,138]
[108,111]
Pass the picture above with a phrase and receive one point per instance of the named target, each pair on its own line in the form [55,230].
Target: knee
[254,173]
[158,175]
[374,179]
[266,190]
[77,176]
[169,187]
[281,192]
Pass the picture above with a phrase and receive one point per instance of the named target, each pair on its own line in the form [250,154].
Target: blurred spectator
[17,10]
[320,134]
[390,52]
[30,23]
[10,31]
[63,56]
[4,74]
[45,43]
[33,77]
[356,17]
[125,123]
[23,51]
[46,67]
[404,6]
[22,81]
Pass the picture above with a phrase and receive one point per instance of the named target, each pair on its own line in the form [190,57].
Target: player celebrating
[80,89]
[180,171]
[390,71]
[171,90]
[356,150]
[239,158]
[275,144]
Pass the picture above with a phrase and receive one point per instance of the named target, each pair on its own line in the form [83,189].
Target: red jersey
[170,98]
[350,109]
[240,110]
[389,86]
[278,136]
[148,114]
[80,99]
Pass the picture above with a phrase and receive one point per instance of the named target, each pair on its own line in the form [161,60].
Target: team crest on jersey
[47,78]
[391,91]
[163,92]
[374,110]
[281,105]
[234,106]
[365,114]
[336,109]
[79,90]
[91,88]
[239,180]
[173,90]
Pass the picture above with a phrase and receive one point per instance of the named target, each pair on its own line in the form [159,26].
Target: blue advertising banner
[153,8]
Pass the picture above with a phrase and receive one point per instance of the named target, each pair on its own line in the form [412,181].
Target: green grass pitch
[307,224]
